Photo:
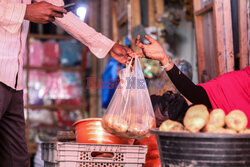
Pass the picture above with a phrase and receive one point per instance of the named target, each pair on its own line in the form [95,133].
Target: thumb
[150,39]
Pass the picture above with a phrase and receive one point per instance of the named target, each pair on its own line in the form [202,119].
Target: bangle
[166,65]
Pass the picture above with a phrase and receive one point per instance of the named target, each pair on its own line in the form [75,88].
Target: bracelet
[166,65]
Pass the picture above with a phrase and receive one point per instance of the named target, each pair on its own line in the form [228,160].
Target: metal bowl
[203,149]
[90,131]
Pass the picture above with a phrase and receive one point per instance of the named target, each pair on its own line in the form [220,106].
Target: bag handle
[129,66]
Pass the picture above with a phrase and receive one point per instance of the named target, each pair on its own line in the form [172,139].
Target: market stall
[125,83]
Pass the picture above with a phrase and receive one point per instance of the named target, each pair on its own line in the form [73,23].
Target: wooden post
[135,18]
[151,13]
[223,36]
[114,22]
[243,33]
[159,4]
[135,13]
[228,36]
[93,92]
[199,40]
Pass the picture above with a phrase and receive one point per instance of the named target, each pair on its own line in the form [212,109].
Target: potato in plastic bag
[130,113]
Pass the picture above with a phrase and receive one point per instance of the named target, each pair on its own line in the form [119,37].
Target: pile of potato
[133,126]
[198,119]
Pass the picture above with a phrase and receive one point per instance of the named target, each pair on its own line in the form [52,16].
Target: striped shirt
[13,34]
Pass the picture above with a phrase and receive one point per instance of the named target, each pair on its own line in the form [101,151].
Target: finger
[139,44]
[58,9]
[51,19]
[140,54]
[56,14]
[137,41]
[150,39]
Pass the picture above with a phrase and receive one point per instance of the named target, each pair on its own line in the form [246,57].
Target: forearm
[98,44]
[195,94]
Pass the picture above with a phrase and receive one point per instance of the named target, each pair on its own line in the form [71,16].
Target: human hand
[153,50]
[121,53]
[43,12]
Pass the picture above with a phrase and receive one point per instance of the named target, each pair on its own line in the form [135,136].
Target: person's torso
[12,47]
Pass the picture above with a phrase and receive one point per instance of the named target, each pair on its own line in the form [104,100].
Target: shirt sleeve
[98,44]
[194,93]
[12,16]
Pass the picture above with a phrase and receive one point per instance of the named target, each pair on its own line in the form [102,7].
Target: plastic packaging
[130,113]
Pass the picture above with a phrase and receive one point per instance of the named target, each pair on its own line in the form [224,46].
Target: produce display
[198,119]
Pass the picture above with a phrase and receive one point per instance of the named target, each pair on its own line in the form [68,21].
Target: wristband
[166,65]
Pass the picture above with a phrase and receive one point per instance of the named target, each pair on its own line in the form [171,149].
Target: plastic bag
[130,113]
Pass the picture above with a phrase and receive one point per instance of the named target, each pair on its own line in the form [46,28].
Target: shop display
[51,52]
[36,53]
[197,119]
[130,113]
[71,53]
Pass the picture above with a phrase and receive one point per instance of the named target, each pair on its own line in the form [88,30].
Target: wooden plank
[135,13]
[53,107]
[243,34]
[204,10]
[114,22]
[93,101]
[219,36]
[205,3]
[199,41]
[228,36]
[77,69]
[209,46]
[159,5]
[57,37]
[83,79]
[134,18]
[151,13]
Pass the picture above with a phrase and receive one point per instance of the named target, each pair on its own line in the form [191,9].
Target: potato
[223,131]
[236,120]
[196,118]
[210,128]
[171,126]
[216,120]
[115,124]
[246,131]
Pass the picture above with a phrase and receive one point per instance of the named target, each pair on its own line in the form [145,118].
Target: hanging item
[130,113]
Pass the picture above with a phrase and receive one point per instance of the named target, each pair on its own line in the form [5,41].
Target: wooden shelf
[53,68]
[56,37]
[205,9]
[54,107]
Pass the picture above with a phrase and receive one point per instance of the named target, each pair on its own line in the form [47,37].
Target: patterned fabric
[13,34]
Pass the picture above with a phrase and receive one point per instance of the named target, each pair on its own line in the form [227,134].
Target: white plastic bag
[130,113]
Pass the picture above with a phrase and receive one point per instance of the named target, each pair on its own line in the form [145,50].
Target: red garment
[230,91]
[152,157]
